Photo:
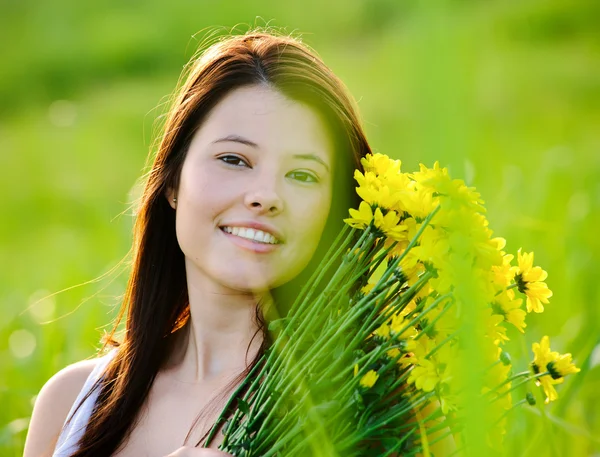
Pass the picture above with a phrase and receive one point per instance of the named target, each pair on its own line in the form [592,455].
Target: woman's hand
[189,451]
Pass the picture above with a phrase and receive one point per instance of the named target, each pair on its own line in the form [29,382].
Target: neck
[221,337]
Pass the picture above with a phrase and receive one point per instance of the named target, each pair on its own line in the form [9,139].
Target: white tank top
[70,435]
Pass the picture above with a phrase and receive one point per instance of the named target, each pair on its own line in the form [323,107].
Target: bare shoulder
[52,406]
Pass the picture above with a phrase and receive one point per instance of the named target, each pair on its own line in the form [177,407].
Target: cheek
[314,213]
[196,200]
[204,190]
[199,200]
[308,217]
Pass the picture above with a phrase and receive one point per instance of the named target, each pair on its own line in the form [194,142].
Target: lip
[250,245]
[258,226]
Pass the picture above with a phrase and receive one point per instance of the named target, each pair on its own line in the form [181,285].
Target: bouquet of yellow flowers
[403,347]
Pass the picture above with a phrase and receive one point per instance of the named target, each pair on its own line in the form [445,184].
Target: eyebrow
[242,140]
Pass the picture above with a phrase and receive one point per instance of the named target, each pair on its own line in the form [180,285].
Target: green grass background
[504,93]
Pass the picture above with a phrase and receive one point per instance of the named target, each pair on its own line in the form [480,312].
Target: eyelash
[229,156]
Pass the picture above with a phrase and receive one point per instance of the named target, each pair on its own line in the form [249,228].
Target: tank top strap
[72,431]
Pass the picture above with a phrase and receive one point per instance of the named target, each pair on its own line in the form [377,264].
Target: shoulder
[53,404]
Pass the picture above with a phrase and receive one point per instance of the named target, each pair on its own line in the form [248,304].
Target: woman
[250,183]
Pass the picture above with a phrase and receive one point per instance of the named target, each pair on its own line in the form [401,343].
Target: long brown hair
[155,304]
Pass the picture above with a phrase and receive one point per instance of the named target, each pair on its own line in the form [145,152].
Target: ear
[171,197]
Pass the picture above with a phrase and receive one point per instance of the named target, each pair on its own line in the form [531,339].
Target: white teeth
[251,234]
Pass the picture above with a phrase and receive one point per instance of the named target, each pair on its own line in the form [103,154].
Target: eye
[233,160]
[303,176]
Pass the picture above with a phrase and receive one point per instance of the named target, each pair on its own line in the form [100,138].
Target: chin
[255,281]
[251,280]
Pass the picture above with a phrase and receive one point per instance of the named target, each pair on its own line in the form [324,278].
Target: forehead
[269,119]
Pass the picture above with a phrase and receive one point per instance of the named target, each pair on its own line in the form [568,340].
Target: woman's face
[262,161]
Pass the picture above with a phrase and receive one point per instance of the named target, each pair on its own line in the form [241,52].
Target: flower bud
[505,358]
[530,398]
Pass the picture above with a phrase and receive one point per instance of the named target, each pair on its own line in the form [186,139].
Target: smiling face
[258,160]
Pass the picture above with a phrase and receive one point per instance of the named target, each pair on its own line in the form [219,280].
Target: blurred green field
[504,93]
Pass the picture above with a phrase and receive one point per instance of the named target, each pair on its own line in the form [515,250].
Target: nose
[264,200]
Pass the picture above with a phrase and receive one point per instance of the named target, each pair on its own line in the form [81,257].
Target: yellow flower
[558,365]
[499,242]
[360,218]
[425,375]
[368,179]
[418,201]
[391,328]
[421,348]
[385,186]
[381,196]
[378,186]
[503,274]
[459,194]
[389,225]
[547,383]
[530,281]
[380,163]
[383,331]
[537,293]
[542,355]
[426,175]
[510,309]
[433,247]
[369,379]
[562,366]
[469,229]
[444,321]
[448,402]
[393,353]
[398,323]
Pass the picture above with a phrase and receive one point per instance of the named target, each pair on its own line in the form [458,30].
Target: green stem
[400,413]
[399,444]
[493,365]
[232,398]
[386,274]
[388,345]
[302,309]
[415,288]
[513,377]
[384,347]
[328,340]
[508,411]
[507,380]
[444,341]
[332,334]
[315,279]
[317,275]
[275,360]
[512,286]
[525,381]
